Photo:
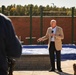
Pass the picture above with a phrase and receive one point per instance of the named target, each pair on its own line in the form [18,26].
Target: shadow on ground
[63,73]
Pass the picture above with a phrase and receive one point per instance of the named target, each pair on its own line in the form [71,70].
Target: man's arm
[44,37]
[13,46]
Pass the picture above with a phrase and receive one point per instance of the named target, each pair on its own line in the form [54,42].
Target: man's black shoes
[52,70]
[60,70]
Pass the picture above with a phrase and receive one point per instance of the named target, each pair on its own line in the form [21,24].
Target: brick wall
[22,27]
[33,62]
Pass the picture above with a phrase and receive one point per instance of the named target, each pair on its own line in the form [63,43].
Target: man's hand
[52,35]
[40,40]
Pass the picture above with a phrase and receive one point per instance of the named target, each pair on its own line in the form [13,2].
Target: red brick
[22,27]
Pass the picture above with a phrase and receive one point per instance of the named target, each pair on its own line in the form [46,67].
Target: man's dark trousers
[52,51]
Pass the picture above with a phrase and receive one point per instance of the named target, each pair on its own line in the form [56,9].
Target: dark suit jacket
[9,44]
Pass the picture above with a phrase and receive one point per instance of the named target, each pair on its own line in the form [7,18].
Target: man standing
[10,46]
[55,35]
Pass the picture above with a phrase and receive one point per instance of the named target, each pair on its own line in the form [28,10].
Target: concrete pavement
[67,67]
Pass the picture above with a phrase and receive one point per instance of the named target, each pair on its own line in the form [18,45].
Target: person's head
[53,23]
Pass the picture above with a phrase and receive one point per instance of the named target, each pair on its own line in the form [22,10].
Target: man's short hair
[53,20]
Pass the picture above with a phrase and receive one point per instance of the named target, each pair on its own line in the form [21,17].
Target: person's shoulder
[4,17]
[59,27]
[49,28]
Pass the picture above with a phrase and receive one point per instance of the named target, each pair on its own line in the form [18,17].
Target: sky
[58,3]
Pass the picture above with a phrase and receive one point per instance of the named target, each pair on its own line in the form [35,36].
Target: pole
[41,21]
[31,24]
[72,25]
[3,7]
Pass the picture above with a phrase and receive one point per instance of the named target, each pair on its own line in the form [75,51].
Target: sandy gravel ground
[67,67]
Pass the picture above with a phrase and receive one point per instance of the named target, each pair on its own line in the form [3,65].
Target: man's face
[53,24]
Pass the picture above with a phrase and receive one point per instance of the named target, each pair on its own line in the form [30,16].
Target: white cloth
[54,31]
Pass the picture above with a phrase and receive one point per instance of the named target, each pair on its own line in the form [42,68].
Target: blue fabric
[65,56]
[45,46]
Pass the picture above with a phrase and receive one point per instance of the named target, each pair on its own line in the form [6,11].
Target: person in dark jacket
[9,44]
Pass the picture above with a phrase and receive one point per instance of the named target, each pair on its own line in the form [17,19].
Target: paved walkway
[67,67]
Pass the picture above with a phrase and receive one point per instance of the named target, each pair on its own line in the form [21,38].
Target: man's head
[53,23]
